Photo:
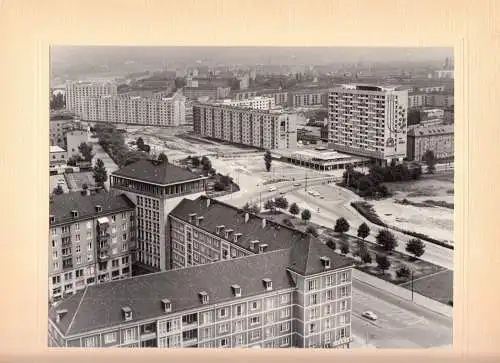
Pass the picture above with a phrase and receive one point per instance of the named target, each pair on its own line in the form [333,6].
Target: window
[254,305]
[110,338]
[285,313]
[330,295]
[239,310]
[239,340]
[341,333]
[285,341]
[238,326]
[124,247]
[313,299]
[343,305]
[223,328]
[130,335]
[342,319]
[113,218]
[312,328]
[223,342]
[90,246]
[54,231]
[254,335]
[77,249]
[284,327]
[79,273]
[90,342]
[329,280]
[285,298]
[328,309]
[343,291]
[343,277]
[254,320]
[56,280]
[78,260]
[312,285]
[223,313]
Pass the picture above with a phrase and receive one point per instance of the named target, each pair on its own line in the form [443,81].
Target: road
[400,323]
[99,153]
[336,203]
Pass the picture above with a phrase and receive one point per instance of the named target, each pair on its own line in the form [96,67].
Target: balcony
[103,257]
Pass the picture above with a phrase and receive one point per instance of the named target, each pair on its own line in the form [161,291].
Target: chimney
[192,217]
[254,244]
[59,315]
[262,247]
[263,223]
[208,202]
[247,217]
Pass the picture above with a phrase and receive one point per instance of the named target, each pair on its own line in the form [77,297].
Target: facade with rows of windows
[90,241]
[155,188]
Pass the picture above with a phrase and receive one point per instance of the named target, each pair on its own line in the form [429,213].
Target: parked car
[370,315]
[272,189]
[296,184]
[282,192]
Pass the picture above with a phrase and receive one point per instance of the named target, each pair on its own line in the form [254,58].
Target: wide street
[400,323]
[336,203]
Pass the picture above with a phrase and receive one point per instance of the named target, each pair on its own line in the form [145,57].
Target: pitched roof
[217,213]
[99,306]
[431,130]
[156,172]
[62,205]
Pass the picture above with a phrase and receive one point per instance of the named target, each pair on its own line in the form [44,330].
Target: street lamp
[411,274]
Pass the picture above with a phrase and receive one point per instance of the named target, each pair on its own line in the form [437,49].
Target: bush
[287,222]
[312,230]
[218,186]
[416,247]
[366,257]
[363,230]
[306,215]
[344,248]
[331,243]
[403,272]
[294,209]
[383,262]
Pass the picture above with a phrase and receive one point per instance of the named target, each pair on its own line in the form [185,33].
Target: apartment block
[90,241]
[155,188]
[296,292]
[368,121]
[151,111]
[439,139]
[78,92]
[307,98]
[258,128]
[255,103]
[433,99]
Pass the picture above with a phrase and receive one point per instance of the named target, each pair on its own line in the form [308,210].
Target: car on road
[282,192]
[272,189]
[370,315]
[296,184]
[311,192]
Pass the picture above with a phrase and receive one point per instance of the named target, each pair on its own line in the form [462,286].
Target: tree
[219,186]
[195,161]
[416,247]
[204,160]
[100,173]
[163,157]
[331,243]
[281,203]
[140,143]
[312,230]
[254,208]
[58,190]
[341,225]
[294,209]
[268,159]
[383,263]
[146,148]
[74,159]
[306,215]
[386,239]
[207,167]
[363,230]
[57,102]
[344,248]
[269,205]
[430,160]
[86,150]
[366,257]
[403,272]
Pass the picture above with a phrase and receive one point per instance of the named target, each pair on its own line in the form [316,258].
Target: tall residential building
[155,188]
[286,290]
[90,241]
[77,92]
[308,97]
[368,121]
[258,128]
[151,111]
[439,139]
[255,103]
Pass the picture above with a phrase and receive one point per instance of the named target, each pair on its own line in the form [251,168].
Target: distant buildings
[151,111]
[272,287]
[433,113]
[439,139]
[368,121]
[430,99]
[308,97]
[444,73]
[90,241]
[212,92]
[78,92]
[255,103]
[155,188]
[261,129]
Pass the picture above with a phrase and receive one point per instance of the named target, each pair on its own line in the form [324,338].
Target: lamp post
[411,272]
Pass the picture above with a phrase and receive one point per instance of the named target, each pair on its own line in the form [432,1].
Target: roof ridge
[77,308]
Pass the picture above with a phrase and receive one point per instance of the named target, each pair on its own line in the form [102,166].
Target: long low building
[322,159]
[279,288]
[258,128]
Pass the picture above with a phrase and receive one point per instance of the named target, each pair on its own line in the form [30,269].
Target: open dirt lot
[434,221]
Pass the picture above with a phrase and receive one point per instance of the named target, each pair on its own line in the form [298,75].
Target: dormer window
[192,217]
[204,297]
[199,220]
[326,262]
[268,284]
[236,290]
[237,236]
[60,313]
[98,208]
[167,305]
[228,233]
[219,229]
[52,219]
[127,313]
[74,213]
[262,247]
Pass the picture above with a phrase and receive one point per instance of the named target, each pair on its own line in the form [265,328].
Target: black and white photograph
[251,197]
